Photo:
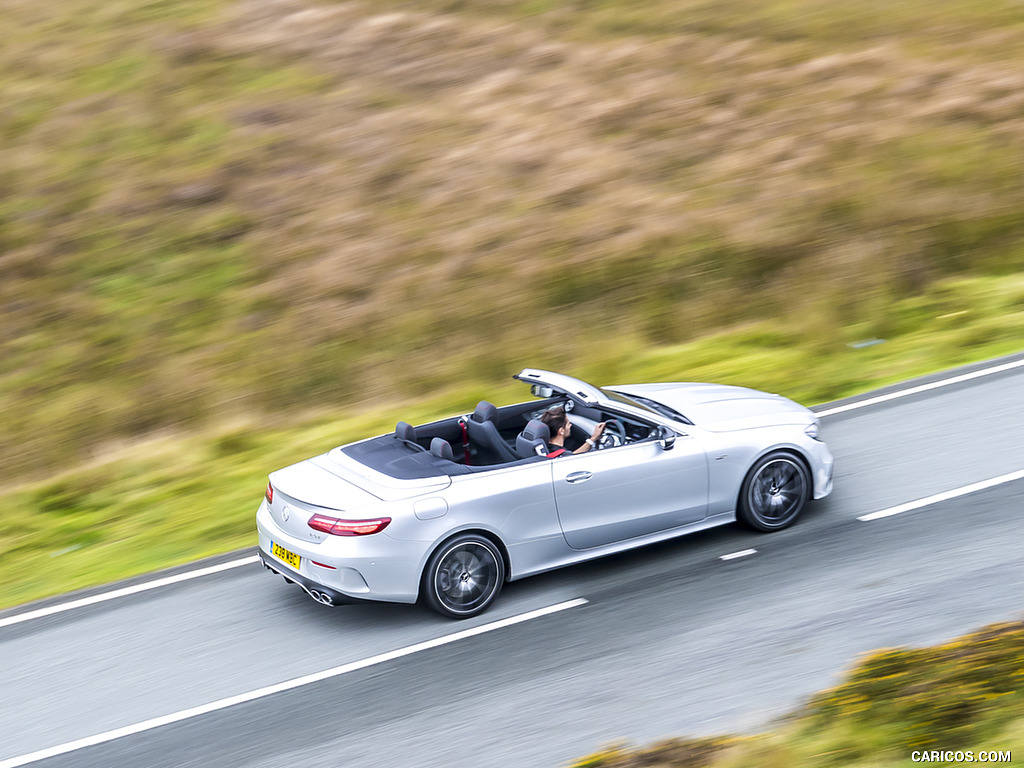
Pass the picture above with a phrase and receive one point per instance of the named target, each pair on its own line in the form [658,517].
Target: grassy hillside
[236,233]
[213,211]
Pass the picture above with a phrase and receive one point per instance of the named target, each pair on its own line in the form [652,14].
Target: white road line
[945,495]
[288,685]
[124,592]
[922,388]
[734,555]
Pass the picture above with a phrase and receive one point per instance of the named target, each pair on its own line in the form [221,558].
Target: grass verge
[150,504]
[962,696]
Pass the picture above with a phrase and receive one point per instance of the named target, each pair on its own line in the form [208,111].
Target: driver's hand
[598,431]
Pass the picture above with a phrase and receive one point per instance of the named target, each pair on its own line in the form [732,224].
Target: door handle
[578,477]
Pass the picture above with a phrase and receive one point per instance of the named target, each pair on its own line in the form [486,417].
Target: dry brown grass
[452,195]
[477,164]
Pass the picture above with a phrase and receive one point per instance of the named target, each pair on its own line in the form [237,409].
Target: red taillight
[336,527]
[270,494]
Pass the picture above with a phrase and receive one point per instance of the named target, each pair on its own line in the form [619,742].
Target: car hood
[721,407]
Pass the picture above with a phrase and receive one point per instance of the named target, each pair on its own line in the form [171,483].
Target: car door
[614,494]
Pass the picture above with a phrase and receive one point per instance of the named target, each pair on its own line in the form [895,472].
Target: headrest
[537,430]
[485,412]
[404,431]
[533,441]
[442,449]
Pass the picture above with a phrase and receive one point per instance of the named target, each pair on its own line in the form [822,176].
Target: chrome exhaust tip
[321,597]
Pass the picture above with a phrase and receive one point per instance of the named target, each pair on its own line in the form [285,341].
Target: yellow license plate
[289,557]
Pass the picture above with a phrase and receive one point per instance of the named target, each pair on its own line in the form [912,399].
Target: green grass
[155,502]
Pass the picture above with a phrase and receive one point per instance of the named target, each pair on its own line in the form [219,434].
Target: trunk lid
[307,483]
[304,489]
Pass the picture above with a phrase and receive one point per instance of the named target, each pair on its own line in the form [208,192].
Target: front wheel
[774,492]
[463,576]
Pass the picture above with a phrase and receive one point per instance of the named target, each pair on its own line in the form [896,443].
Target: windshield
[647,404]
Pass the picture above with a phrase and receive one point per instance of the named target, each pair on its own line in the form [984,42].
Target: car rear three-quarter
[345,530]
[336,539]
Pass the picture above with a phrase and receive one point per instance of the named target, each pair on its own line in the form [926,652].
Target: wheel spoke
[762,499]
[467,577]
[776,491]
[473,564]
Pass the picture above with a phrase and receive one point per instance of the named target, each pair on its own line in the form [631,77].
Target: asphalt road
[672,640]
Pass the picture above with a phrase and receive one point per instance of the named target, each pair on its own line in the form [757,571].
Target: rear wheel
[774,492]
[463,576]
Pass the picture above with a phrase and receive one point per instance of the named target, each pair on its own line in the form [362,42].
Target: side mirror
[540,390]
[667,438]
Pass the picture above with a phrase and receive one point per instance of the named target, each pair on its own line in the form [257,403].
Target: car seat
[533,441]
[484,436]
[442,449]
[407,434]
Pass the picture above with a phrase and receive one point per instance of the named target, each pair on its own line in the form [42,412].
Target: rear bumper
[318,592]
[344,569]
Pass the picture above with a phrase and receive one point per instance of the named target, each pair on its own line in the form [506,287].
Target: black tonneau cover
[398,459]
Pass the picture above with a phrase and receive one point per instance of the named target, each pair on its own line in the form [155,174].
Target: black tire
[774,492]
[463,576]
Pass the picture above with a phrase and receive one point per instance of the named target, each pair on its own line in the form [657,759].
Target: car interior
[489,438]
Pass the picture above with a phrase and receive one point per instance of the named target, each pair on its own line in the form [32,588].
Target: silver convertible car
[448,512]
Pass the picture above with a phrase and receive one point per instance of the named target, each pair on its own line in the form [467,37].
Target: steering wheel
[614,434]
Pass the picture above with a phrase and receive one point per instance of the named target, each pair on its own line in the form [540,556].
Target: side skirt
[573,556]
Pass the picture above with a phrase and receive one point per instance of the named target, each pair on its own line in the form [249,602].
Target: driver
[558,424]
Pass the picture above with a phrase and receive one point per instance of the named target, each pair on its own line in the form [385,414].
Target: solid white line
[38,614]
[922,388]
[945,495]
[734,555]
[288,685]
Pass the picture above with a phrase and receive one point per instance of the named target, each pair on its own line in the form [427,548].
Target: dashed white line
[742,553]
[922,388]
[945,495]
[288,685]
[125,591]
